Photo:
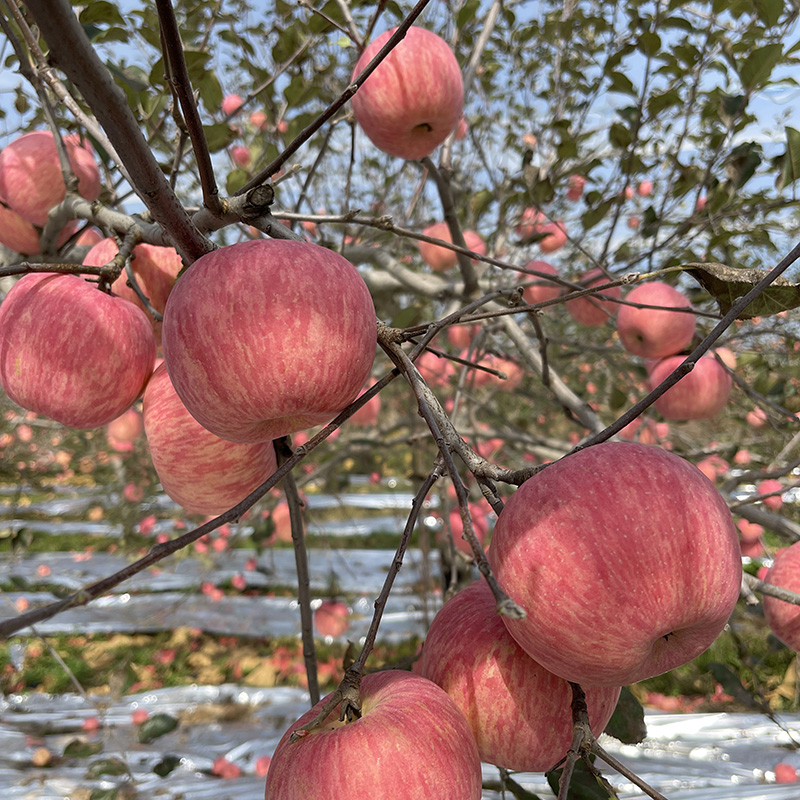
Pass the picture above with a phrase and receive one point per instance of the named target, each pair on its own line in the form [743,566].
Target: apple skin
[367,416]
[784,618]
[155,268]
[268,337]
[231,103]
[653,333]
[440,259]
[411,743]
[411,103]
[72,352]
[436,370]
[555,238]
[766,487]
[575,186]
[623,534]
[124,431]
[17,234]
[520,713]
[30,175]
[701,394]
[542,290]
[593,312]
[199,471]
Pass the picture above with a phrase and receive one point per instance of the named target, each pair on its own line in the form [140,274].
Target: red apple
[461,336]
[784,618]
[480,525]
[626,559]
[231,103]
[785,773]
[411,743]
[367,415]
[436,370]
[281,522]
[461,129]
[749,531]
[72,352]
[655,333]
[645,188]
[242,155]
[756,418]
[198,470]
[258,119]
[499,688]
[413,100]
[591,310]
[766,487]
[530,221]
[555,238]
[331,618]
[124,431]
[155,269]
[575,186]
[17,234]
[514,373]
[701,394]
[268,337]
[542,290]
[30,175]
[440,259]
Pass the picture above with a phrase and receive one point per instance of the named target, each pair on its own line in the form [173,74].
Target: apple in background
[749,531]
[727,356]
[461,336]
[436,370]
[785,773]
[555,238]
[258,119]
[410,104]
[440,259]
[530,221]
[331,618]
[282,523]
[701,394]
[623,532]
[480,524]
[411,743]
[231,103]
[72,352]
[756,418]
[30,175]
[514,373]
[242,155]
[268,337]
[713,467]
[155,268]
[199,471]
[771,485]
[367,415]
[575,186]
[655,333]
[645,188]
[498,687]
[784,618]
[542,290]
[124,431]
[590,310]
[17,234]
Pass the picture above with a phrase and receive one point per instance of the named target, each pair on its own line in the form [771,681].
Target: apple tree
[582,238]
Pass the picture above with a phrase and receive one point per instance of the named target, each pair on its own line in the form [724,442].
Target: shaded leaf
[727,284]
[518,791]
[166,765]
[789,162]
[731,684]
[156,726]
[758,66]
[80,748]
[218,136]
[619,135]
[583,786]
[769,11]
[104,794]
[627,722]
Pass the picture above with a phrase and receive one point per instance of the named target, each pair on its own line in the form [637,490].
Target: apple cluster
[31,184]
[618,531]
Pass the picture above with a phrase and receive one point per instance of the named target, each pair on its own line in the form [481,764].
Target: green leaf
[218,136]
[80,748]
[619,82]
[769,11]
[789,162]
[100,11]
[156,726]
[650,43]
[583,786]
[518,791]
[166,765]
[235,180]
[594,215]
[619,135]
[104,794]
[627,722]
[727,284]
[107,766]
[758,66]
